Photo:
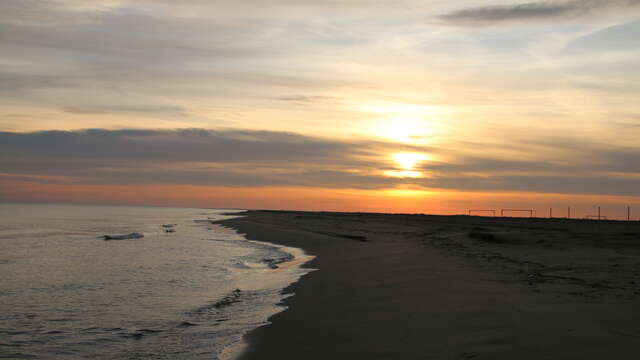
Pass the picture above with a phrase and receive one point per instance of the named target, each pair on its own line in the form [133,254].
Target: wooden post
[569,212]
[628,213]
[551,213]
[598,212]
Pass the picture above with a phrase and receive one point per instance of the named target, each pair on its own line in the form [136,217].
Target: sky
[426,106]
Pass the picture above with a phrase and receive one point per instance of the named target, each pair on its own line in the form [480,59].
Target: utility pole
[569,212]
[628,213]
[550,213]
[598,213]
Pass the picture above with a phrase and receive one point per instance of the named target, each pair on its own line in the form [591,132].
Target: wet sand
[447,287]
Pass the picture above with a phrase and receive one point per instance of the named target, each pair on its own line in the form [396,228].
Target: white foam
[281,277]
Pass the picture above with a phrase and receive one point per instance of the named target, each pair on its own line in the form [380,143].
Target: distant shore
[452,287]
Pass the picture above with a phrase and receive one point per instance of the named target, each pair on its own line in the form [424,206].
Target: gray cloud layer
[191,145]
[533,11]
[121,58]
[258,158]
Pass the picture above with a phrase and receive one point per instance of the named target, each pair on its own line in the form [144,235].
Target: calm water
[66,294]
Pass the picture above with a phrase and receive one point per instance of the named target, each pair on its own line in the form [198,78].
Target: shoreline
[269,235]
[292,265]
[412,286]
[299,259]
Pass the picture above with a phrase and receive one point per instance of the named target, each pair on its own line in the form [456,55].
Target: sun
[408,161]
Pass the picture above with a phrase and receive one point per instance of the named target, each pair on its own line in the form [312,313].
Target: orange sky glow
[312,199]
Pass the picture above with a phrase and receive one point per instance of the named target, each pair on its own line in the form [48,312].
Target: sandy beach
[452,287]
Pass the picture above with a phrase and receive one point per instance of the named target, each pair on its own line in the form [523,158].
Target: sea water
[66,293]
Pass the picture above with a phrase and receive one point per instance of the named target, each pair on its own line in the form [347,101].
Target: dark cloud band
[263,158]
[533,11]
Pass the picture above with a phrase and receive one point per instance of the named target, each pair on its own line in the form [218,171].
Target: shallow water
[67,294]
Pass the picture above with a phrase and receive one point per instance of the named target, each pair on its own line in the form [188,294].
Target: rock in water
[133,235]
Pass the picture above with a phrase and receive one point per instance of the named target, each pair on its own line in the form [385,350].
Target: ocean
[66,293]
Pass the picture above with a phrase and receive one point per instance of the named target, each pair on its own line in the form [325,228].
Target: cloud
[191,157]
[103,109]
[12,83]
[304,98]
[260,158]
[92,59]
[193,145]
[556,183]
[560,158]
[622,37]
[534,11]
